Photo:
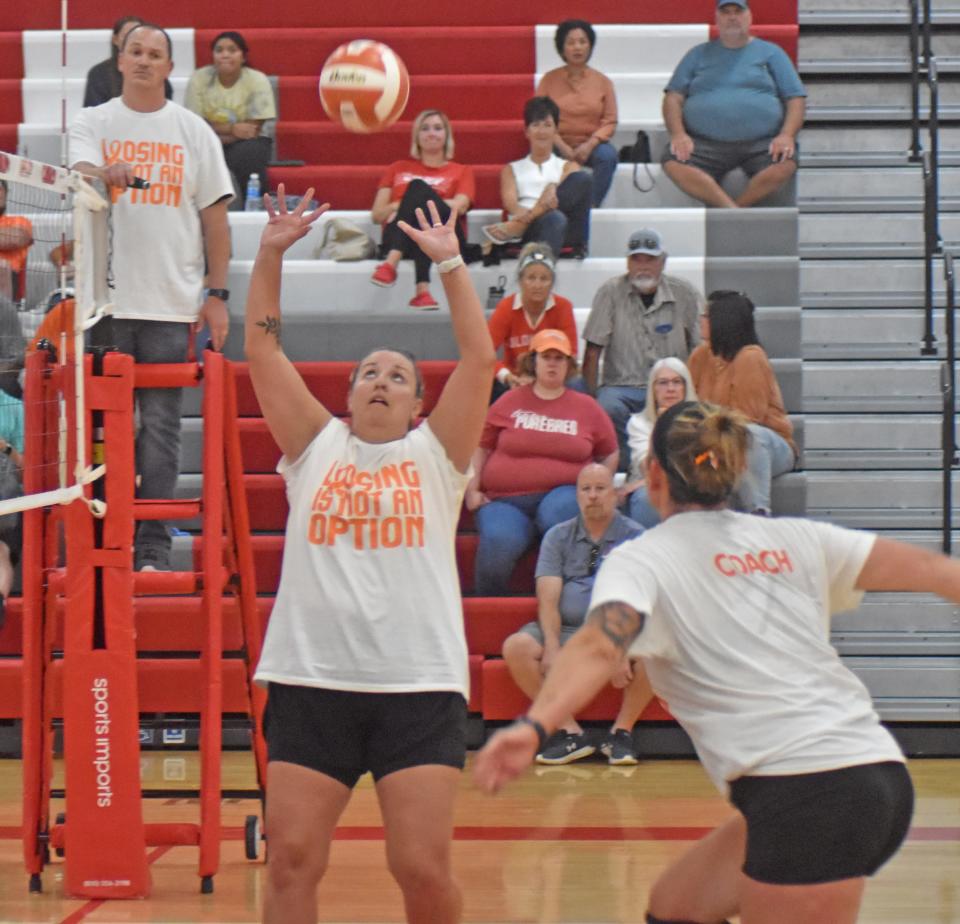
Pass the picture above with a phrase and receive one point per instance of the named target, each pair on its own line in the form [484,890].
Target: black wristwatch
[8,450]
[222,294]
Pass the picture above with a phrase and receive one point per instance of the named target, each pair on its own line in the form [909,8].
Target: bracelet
[447,266]
[542,735]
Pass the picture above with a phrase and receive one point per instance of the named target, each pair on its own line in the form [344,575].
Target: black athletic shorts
[343,734]
[807,828]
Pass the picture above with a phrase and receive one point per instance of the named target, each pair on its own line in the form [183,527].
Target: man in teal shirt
[734,102]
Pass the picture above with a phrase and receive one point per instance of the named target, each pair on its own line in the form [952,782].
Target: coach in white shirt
[160,237]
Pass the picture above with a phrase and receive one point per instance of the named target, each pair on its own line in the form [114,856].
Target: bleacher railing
[948,387]
[923,70]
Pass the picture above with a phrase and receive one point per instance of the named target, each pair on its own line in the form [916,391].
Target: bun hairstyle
[702,448]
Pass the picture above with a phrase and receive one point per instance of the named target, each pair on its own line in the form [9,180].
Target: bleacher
[862,405]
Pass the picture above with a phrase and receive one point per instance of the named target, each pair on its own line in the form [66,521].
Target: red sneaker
[384,275]
[424,302]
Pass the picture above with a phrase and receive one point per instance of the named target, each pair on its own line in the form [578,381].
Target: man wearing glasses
[636,319]
[570,554]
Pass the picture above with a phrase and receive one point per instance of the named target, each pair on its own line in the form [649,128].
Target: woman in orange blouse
[731,368]
[588,105]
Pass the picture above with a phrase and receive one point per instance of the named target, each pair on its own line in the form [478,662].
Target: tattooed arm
[293,415]
[583,666]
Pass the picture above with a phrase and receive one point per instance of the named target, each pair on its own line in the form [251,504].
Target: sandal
[502,233]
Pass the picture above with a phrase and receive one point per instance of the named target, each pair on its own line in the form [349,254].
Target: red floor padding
[241,14]
[351,187]
[8,137]
[431,49]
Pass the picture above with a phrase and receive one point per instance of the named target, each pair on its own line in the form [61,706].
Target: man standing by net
[169,187]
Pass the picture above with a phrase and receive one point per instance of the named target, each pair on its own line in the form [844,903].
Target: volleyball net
[53,288]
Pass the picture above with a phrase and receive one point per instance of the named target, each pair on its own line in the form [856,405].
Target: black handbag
[636,154]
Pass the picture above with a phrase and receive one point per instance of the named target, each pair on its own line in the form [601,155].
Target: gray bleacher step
[840,184]
[864,441]
[878,113]
[860,66]
[867,140]
[892,93]
[872,159]
[898,623]
[889,234]
[872,387]
[849,49]
[912,710]
[880,500]
[866,18]
[935,678]
[867,333]
[854,203]
[808,8]
[897,283]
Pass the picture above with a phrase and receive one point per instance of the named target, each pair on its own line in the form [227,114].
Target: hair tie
[705,456]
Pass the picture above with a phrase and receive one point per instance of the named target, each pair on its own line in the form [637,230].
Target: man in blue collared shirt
[570,555]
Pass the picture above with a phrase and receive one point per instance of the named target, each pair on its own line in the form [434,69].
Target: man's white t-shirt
[736,639]
[157,256]
[369,596]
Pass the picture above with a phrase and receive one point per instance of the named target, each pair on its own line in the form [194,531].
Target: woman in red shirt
[536,440]
[519,316]
[407,185]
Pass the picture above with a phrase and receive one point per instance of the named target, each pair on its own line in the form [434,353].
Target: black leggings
[246,156]
[418,194]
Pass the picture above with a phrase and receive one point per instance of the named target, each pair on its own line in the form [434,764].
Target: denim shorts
[718,158]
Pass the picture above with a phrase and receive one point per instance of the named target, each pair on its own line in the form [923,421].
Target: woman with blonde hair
[430,175]
[669,384]
[731,616]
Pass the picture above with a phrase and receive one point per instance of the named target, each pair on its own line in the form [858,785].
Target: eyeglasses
[594,561]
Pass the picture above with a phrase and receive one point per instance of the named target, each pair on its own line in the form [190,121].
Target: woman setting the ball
[365,655]
[730,613]
[431,175]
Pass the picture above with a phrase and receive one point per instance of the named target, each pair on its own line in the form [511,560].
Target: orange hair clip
[705,456]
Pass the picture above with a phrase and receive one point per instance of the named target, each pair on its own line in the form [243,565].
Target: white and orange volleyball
[364,86]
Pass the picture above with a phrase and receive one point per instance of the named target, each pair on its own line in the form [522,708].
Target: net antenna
[61,206]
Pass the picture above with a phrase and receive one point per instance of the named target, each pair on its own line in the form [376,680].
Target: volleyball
[364,86]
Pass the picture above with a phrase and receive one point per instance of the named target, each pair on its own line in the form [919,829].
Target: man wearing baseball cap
[736,101]
[636,319]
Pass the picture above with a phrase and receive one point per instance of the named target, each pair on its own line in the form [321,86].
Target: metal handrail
[948,388]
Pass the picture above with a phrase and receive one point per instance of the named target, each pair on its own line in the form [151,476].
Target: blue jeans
[508,525]
[569,223]
[620,401]
[769,455]
[158,439]
[641,510]
[603,162]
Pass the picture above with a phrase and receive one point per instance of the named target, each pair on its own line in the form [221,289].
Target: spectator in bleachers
[237,102]
[164,238]
[588,105]
[730,368]
[103,80]
[11,485]
[519,316]
[429,175]
[536,440]
[636,319]
[570,555]
[736,101]
[16,236]
[670,383]
[547,198]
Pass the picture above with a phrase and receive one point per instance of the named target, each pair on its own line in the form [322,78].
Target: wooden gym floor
[580,843]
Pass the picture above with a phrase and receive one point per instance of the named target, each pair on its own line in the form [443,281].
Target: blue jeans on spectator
[508,525]
[620,401]
[603,162]
[570,222]
[158,439]
[641,510]
[769,455]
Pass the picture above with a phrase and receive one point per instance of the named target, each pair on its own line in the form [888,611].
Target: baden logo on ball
[364,86]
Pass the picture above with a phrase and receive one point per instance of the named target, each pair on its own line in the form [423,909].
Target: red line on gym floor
[95,903]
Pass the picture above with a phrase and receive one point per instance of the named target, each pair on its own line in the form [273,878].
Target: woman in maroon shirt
[536,440]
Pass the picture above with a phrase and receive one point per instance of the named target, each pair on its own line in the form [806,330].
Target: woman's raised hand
[436,238]
[284,228]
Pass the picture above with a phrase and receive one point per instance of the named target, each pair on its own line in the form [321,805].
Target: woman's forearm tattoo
[271,326]
[618,622]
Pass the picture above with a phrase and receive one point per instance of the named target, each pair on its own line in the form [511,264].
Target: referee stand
[80,624]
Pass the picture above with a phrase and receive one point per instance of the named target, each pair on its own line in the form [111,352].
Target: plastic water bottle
[253,202]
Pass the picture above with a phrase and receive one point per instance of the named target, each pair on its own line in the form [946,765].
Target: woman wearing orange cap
[536,440]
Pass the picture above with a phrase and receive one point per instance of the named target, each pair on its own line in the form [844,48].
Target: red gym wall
[45,14]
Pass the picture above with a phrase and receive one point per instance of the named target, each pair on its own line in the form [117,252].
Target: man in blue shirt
[734,102]
[570,554]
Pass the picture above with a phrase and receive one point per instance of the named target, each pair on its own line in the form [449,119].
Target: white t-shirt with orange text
[156,247]
[736,639]
[369,597]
